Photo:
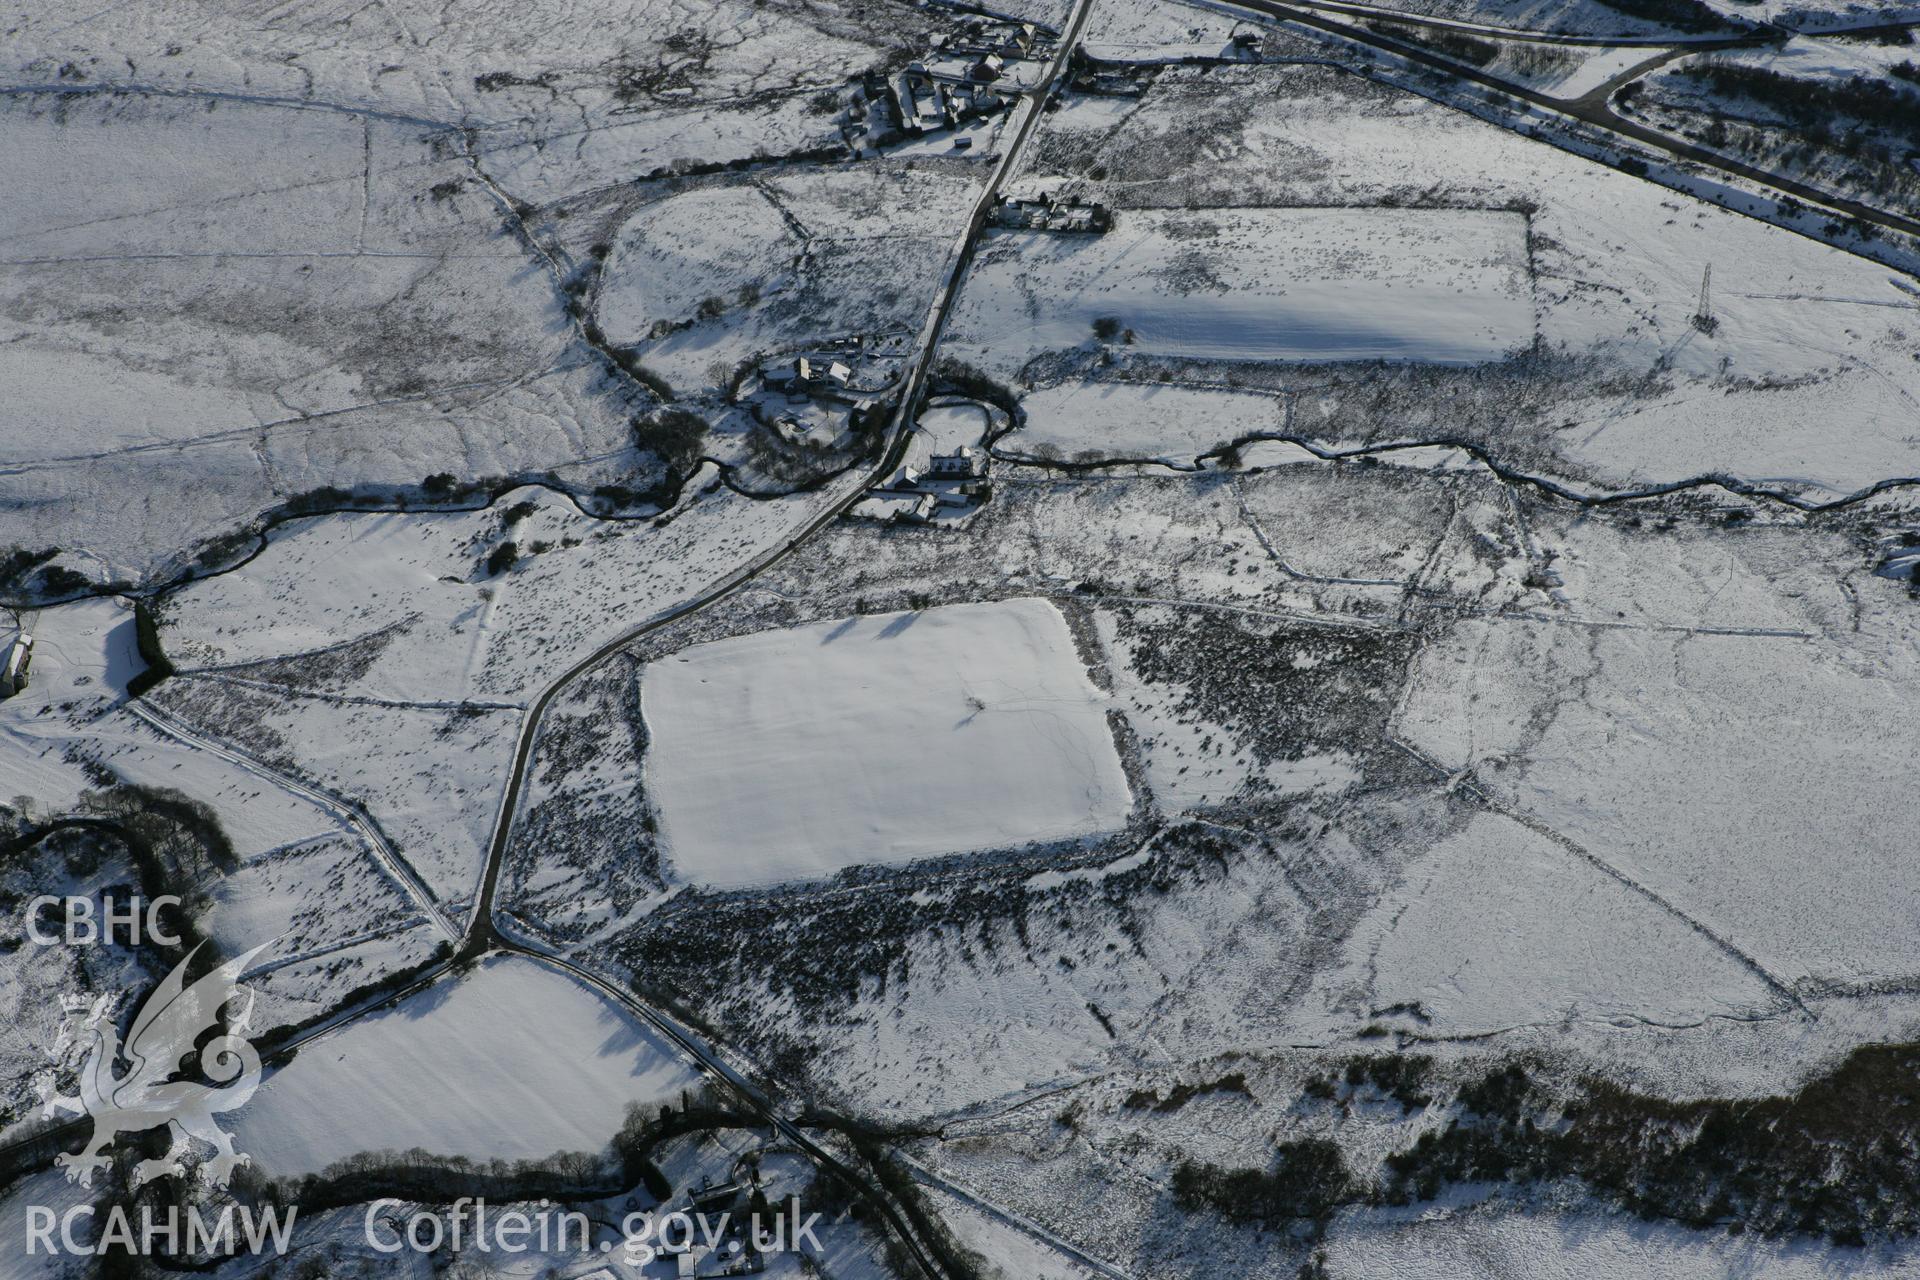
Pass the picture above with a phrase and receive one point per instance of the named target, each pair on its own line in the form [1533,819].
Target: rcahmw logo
[148,1233]
[146,1095]
[177,1068]
[82,926]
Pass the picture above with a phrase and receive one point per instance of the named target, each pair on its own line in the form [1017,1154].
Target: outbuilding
[964,463]
[19,662]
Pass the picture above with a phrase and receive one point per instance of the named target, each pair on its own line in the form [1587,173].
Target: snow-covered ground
[1191,760]
[257,255]
[1139,420]
[514,1060]
[1473,1245]
[1554,940]
[559,161]
[1570,17]
[253,301]
[1820,15]
[430,776]
[74,710]
[316,895]
[1152,30]
[1806,332]
[34,975]
[1788,858]
[1824,57]
[792,754]
[1284,762]
[304,880]
[521,71]
[1732,744]
[1582,71]
[400,607]
[1009,1252]
[705,280]
[945,428]
[1271,284]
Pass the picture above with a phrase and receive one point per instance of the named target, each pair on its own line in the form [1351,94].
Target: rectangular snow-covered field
[1141,420]
[515,1061]
[791,754]
[1446,286]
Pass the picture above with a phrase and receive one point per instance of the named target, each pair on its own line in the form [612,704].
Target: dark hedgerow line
[1838,1159]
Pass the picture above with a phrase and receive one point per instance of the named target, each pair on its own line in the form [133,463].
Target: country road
[755,1101]
[481,934]
[488,928]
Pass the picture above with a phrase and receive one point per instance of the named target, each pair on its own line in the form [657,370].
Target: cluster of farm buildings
[962,79]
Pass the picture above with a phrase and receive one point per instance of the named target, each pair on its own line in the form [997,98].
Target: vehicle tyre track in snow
[756,1101]
[344,810]
[1463,783]
[1007,1217]
[483,934]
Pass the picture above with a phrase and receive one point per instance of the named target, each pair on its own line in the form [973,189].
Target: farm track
[347,812]
[481,934]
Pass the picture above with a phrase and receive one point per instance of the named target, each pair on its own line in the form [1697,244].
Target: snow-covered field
[1823,57]
[1640,395]
[73,711]
[514,1060]
[1009,1252]
[702,281]
[254,255]
[1126,821]
[560,161]
[1653,962]
[1139,420]
[1192,760]
[1791,858]
[1554,939]
[1573,17]
[399,606]
[1585,69]
[250,302]
[792,754]
[315,895]
[518,71]
[945,428]
[430,776]
[1267,284]
[1150,30]
[304,878]
[1821,15]
[1732,748]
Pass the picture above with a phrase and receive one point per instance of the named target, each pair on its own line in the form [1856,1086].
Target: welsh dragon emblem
[165,1031]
